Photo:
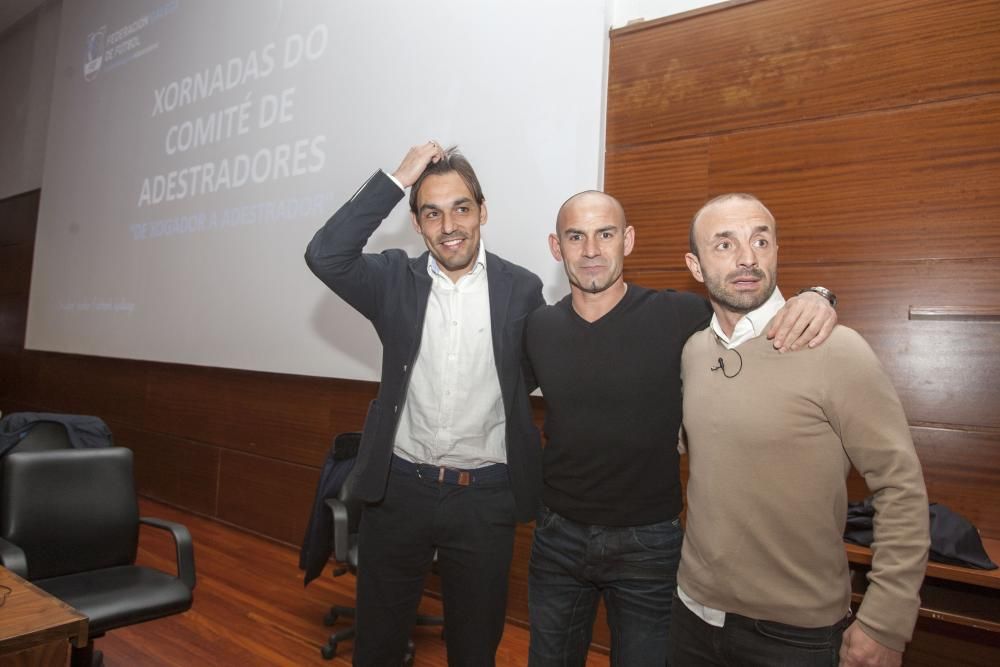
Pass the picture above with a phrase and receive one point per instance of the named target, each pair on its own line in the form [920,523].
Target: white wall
[624,11]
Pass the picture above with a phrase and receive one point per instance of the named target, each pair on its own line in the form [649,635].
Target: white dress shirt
[453,414]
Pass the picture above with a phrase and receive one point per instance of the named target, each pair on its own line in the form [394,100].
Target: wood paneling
[904,184]
[172,469]
[872,131]
[784,61]
[924,177]
[15,268]
[660,186]
[13,319]
[287,417]
[113,389]
[17,219]
[266,495]
[962,470]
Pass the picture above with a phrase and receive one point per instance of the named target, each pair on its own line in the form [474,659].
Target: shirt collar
[434,269]
[752,324]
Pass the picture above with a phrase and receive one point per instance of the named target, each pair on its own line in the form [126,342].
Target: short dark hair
[741,196]
[453,161]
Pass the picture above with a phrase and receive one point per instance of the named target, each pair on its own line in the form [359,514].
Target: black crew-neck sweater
[613,405]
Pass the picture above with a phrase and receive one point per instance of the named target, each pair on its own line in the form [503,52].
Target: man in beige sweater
[771,437]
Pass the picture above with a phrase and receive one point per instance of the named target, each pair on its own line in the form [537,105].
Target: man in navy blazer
[449,458]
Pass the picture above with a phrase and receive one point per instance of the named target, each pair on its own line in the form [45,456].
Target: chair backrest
[43,437]
[70,510]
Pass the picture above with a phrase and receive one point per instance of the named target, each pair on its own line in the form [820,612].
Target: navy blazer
[391,290]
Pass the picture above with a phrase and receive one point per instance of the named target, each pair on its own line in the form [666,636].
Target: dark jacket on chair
[84,431]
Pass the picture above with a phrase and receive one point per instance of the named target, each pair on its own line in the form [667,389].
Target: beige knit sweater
[769,452]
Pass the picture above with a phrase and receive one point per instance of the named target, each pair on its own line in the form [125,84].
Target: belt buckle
[464,476]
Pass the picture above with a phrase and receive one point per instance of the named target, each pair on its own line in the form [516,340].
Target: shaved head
[725,199]
[589,198]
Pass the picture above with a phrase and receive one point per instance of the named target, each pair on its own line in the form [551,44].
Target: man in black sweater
[607,358]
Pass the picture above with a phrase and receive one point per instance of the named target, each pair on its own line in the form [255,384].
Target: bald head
[592,240]
[722,200]
[589,201]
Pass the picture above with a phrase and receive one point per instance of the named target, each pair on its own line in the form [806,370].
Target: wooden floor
[251,608]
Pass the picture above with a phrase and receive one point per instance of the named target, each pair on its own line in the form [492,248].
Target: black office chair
[345,512]
[69,523]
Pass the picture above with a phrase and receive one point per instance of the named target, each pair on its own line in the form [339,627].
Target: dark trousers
[574,565]
[472,528]
[746,642]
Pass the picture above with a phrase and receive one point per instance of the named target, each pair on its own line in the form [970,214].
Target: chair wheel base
[328,651]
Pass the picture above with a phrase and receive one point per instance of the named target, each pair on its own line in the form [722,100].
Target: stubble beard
[740,302]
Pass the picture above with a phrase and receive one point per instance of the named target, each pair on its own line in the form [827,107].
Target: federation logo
[95,54]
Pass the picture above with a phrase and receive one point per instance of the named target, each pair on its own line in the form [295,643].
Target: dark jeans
[573,565]
[472,528]
[746,642]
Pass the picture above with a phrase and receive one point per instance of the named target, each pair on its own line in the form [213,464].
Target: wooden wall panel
[13,319]
[783,61]
[946,645]
[113,389]
[961,469]
[17,219]
[903,184]
[872,131]
[288,417]
[660,186]
[268,496]
[181,472]
[15,268]
[924,177]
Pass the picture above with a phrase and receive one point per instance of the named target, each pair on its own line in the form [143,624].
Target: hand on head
[416,160]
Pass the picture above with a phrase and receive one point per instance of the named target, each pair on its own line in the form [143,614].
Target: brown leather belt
[490,474]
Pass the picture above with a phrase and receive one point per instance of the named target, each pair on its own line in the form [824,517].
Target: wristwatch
[823,292]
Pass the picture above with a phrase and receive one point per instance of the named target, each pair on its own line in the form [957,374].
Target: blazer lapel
[500,285]
[422,281]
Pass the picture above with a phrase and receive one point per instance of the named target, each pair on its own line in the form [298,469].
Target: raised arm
[335,253]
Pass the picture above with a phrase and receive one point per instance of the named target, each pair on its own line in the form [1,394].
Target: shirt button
[454,323]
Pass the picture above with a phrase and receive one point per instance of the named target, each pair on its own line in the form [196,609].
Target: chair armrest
[12,557]
[185,547]
[341,528]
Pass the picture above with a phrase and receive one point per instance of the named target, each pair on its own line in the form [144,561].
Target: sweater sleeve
[865,411]
[335,253]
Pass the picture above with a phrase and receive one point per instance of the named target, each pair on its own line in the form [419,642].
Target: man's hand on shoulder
[415,161]
[860,650]
[805,320]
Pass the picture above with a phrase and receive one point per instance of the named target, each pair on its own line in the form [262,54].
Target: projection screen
[195,147]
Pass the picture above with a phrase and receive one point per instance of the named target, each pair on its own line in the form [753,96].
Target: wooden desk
[35,627]
[961,595]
